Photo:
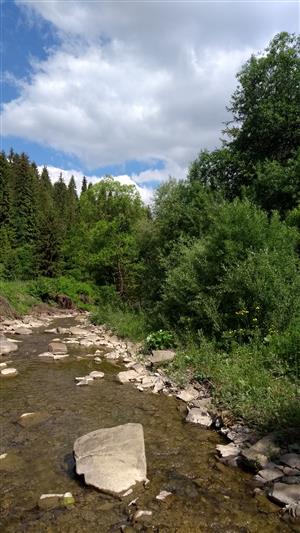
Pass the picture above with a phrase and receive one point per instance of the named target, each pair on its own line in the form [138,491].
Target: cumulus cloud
[55,173]
[139,81]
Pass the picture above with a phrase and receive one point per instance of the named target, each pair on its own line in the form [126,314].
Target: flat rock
[112,459]
[228,450]
[22,331]
[7,346]
[161,356]
[58,348]
[291,459]
[127,375]
[85,381]
[285,494]
[200,417]
[260,453]
[9,372]
[163,495]
[188,394]
[270,474]
[80,332]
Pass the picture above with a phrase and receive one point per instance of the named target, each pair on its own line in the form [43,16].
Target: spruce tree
[72,203]
[84,185]
[25,200]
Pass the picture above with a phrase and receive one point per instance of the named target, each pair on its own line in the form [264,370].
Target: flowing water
[207,496]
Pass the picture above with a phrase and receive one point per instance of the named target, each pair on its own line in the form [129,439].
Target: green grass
[245,382]
[124,322]
[18,296]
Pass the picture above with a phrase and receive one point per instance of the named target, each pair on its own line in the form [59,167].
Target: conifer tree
[25,200]
[84,185]
[72,202]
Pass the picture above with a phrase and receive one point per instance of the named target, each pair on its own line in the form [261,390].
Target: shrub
[159,340]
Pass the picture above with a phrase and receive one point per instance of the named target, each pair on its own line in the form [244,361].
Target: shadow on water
[206,496]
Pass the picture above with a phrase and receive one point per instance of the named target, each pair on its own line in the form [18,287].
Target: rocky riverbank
[276,465]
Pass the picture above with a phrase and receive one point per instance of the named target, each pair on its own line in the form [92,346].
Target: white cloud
[55,172]
[139,81]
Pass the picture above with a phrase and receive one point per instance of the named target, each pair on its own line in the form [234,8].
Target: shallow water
[207,496]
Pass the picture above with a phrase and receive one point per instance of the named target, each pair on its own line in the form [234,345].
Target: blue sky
[110,88]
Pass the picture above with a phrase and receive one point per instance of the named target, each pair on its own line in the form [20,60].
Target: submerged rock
[9,372]
[7,346]
[112,459]
[51,501]
[32,419]
[58,348]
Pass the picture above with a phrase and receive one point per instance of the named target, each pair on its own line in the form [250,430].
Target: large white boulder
[112,459]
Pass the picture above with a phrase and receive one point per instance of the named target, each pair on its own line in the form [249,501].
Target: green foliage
[123,321]
[159,340]
[83,294]
[265,106]
[18,295]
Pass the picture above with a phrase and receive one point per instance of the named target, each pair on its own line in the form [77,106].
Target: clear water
[207,496]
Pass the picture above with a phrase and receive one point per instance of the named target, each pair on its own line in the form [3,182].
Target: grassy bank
[250,381]
[23,295]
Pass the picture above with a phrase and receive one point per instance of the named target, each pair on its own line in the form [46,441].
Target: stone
[188,394]
[9,372]
[203,403]
[240,434]
[98,360]
[127,375]
[46,355]
[96,375]
[163,495]
[291,459]
[200,417]
[85,381]
[60,356]
[3,365]
[141,514]
[7,346]
[285,494]
[51,501]
[32,419]
[80,332]
[57,348]
[112,459]
[228,450]
[270,474]
[158,385]
[161,356]
[23,331]
[260,453]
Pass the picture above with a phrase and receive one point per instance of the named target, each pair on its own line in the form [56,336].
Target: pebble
[9,372]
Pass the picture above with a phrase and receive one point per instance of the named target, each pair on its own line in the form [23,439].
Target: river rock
[112,459]
[51,501]
[96,375]
[84,381]
[9,372]
[260,453]
[58,348]
[269,474]
[228,450]
[285,494]
[7,346]
[200,417]
[163,495]
[32,419]
[23,331]
[291,459]
[79,332]
[188,394]
[127,375]
[161,356]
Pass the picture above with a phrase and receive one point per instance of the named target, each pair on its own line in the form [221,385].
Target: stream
[206,495]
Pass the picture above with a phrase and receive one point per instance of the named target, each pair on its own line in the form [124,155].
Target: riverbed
[206,495]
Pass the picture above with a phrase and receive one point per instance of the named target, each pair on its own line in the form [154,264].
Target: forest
[211,267]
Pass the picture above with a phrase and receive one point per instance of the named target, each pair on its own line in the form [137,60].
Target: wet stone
[23,331]
[285,494]
[291,459]
[161,356]
[200,417]
[57,348]
[33,419]
[260,453]
[188,394]
[9,372]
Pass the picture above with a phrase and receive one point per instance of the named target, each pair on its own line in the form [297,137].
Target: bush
[159,340]
[243,277]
